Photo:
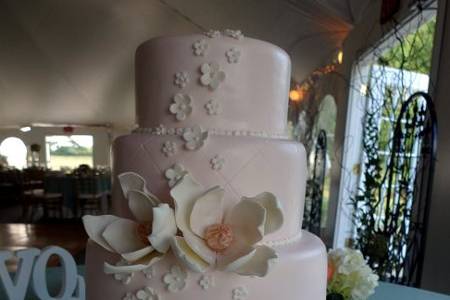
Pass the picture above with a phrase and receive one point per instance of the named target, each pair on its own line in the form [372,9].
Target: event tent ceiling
[65,62]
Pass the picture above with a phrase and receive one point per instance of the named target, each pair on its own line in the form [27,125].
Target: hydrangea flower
[181,79]
[213,107]
[236,34]
[233,55]
[217,162]
[147,293]
[213,33]
[228,242]
[200,47]
[195,137]
[175,174]
[240,293]
[175,280]
[169,148]
[212,76]
[140,242]
[181,106]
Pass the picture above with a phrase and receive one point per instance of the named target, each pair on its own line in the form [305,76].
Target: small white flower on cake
[181,106]
[213,107]
[169,148]
[142,241]
[160,130]
[212,76]
[125,278]
[175,174]
[217,163]
[206,281]
[227,241]
[147,293]
[181,79]
[236,34]
[200,47]
[240,293]
[149,272]
[195,137]
[233,55]
[175,280]
[213,33]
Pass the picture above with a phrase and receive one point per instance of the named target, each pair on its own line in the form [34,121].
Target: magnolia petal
[164,227]
[95,225]
[136,266]
[131,181]
[187,256]
[238,254]
[256,263]
[141,205]
[274,216]
[122,236]
[199,246]
[247,219]
[184,194]
[136,255]
[207,210]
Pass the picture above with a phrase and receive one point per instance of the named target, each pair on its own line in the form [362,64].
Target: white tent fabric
[72,61]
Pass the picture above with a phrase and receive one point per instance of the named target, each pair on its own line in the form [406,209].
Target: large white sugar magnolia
[141,242]
[235,236]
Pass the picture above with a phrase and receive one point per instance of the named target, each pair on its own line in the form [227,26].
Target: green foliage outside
[414,51]
[72,151]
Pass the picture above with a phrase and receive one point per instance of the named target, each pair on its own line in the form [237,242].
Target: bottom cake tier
[299,274]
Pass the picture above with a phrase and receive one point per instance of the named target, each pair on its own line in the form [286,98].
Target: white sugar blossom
[169,148]
[147,293]
[195,137]
[213,33]
[175,280]
[200,47]
[142,241]
[175,174]
[217,163]
[129,296]
[211,76]
[236,34]
[213,107]
[181,106]
[240,293]
[208,241]
[206,281]
[125,278]
[160,130]
[149,272]
[233,55]
[181,79]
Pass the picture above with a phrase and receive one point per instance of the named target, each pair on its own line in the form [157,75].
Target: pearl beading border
[285,241]
[179,131]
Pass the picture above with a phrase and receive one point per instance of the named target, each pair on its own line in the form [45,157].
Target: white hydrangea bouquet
[349,276]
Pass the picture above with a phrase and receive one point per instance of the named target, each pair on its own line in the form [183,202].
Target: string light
[340,57]
[294,95]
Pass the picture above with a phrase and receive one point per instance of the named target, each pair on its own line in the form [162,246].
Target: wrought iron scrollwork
[396,243]
[315,185]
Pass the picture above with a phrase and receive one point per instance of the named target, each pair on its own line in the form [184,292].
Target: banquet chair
[88,194]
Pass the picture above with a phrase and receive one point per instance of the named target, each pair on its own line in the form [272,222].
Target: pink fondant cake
[208,192]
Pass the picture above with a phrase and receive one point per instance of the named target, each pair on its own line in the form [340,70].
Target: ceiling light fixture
[25,128]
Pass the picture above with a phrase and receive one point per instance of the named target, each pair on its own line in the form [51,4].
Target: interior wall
[436,275]
[102,139]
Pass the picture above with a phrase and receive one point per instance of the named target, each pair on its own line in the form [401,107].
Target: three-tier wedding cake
[208,191]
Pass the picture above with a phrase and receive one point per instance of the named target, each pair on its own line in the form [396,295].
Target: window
[381,82]
[15,152]
[68,152]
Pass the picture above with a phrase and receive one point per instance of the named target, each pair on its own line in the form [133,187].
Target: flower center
[218,237]
[143,231]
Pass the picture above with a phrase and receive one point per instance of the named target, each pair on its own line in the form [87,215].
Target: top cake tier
[217,80]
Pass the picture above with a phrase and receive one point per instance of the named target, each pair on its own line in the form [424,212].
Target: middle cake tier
[243,166]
